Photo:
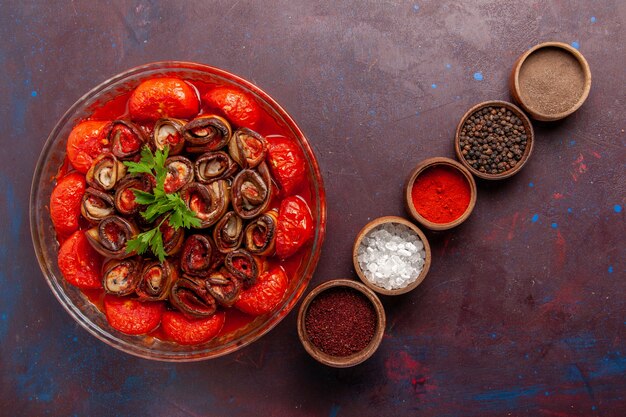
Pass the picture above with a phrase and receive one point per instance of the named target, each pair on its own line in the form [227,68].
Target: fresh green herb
[150,239]
[159,203]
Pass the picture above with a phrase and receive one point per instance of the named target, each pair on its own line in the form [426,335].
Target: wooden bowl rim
[584,66]
[342,361]
[530,141]
[422,166]
[365,230]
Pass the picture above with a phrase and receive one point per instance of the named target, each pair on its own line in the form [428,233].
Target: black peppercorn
[493,140]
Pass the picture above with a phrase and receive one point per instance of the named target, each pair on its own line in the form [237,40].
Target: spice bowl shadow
[341,361]
[421,168]
[528,130]
[366,230]
[550,81]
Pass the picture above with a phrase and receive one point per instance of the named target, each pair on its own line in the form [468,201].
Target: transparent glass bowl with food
[177,212]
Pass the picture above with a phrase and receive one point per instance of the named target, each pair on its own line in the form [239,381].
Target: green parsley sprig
[158,203]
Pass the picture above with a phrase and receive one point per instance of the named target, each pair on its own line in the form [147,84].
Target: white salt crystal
[391,246]
[391,256]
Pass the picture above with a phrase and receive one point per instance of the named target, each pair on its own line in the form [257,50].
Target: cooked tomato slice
[295,226]
[79,262]
[163,97]
[238,107]
[265,294]
[287,164]
[65,202]
[187,331]
[131,316]
[86,141]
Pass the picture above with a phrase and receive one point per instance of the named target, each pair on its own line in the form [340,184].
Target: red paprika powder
[440,194]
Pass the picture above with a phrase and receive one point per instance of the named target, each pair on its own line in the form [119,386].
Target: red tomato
[163,97]
[79,263]
[187,331]
[237,106]
[65,202]
[86,141]
[295,226]
[265,294]
[287,164]
[131,316]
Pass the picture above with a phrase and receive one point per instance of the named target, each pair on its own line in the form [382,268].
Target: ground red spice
[440,194]
[340,321]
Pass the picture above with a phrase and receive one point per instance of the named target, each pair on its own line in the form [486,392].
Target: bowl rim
[530,141]
[516,90]
[342,361]
[377,222]
[146,352]
[421,167]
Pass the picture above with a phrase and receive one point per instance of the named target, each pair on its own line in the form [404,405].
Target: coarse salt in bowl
[391,255]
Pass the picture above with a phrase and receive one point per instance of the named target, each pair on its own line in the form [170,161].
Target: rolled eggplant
[251,192]
[213,166]
[228,232]
[207,133]
[121,276]
[126,139]
[241,264]
[96,205]
[105,172]
[224,287]
[169,132]
[172,238]
[208,202]
[111,235]
[247,148]
[156,280]
[192,298]
[197,255]
[260,234]
[179,173]
[125,196]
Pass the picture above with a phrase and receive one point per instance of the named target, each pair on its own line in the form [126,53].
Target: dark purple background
[523,311]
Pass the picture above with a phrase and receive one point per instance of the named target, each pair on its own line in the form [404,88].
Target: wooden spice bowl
[547,60]
[366,230]
[341,361]
[421,167]
[530,139]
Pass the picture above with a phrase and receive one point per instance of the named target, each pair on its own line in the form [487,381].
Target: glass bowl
[46,246]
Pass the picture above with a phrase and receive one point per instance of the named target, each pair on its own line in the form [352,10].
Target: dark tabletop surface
[523,311]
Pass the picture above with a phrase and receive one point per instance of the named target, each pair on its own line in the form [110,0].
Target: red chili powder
[340,321]
[440,194]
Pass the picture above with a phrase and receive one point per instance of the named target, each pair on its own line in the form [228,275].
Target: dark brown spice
[551,81]
[340,321]
[493,140]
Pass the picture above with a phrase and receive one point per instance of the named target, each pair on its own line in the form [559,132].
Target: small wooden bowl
[528,127]
[342,361]
[421,167]
[377,222]
[516,91]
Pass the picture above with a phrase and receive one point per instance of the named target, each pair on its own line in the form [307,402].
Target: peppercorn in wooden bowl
[440,193]
[391,255]
[341,323]
[494,140]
